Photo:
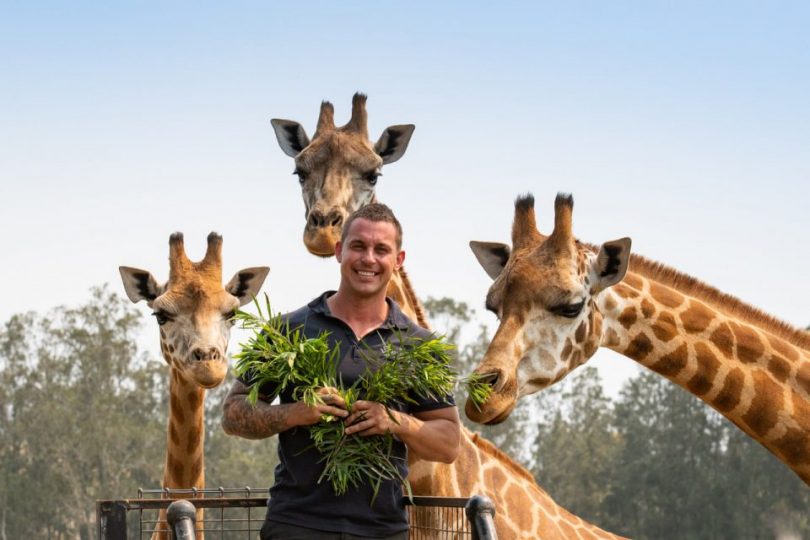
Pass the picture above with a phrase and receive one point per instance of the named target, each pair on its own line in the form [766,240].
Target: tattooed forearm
[244,420]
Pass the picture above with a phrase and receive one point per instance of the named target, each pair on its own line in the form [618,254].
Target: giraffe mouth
[321,241]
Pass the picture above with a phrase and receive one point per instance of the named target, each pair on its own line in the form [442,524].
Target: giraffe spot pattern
[193,398]
[194,439]
[176,468]
[633,280]
[666,296]
[610,303]
[612,337]
[177,412]
[801,411]
[749,347]
[729,396]
[723,340]
[803,378]
[785,351]
[647,309]
[196,469]
[697,318]
[761,415]
[568,530]
[625,292]
[586,535]
[707,368]
[779,368]
[671,364]
[174,437]
[665,327]
[579,335]
[794,446]
[566,352]
[628,317]
[639,348]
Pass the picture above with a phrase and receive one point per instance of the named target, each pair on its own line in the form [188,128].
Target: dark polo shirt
[296,497]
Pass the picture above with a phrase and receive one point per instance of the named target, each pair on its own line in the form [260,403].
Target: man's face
[368,257]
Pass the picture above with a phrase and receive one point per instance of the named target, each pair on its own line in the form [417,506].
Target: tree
[576,444]
[80,416]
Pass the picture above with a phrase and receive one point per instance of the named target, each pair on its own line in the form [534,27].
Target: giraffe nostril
[201,354]
[335,219]
[316,219]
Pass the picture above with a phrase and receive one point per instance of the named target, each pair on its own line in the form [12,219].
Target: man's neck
[363,314]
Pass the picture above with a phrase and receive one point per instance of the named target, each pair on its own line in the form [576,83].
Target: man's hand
[332,404]
[371,418]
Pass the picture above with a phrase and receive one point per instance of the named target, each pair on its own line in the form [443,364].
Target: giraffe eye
[302,176]
[230,316]
[371,177]
[162,317]
[570,311]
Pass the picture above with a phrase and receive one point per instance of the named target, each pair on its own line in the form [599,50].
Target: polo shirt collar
[396,320]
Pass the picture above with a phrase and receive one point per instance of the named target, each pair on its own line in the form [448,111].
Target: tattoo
[244,420]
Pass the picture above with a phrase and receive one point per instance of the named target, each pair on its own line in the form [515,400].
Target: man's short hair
[374,212]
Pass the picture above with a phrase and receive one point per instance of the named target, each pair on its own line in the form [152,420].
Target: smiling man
[360,320]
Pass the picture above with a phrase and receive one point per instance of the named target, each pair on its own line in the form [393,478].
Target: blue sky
[683,125]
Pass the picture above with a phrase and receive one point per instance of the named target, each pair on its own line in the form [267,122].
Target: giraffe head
[546,295]
[193,309]
[338,169]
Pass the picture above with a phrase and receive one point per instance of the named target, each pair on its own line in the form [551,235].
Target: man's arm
[432,435]
[265,420]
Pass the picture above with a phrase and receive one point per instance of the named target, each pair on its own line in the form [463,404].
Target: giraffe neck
[184,466]
[750,368]
[402,292]
[524,509]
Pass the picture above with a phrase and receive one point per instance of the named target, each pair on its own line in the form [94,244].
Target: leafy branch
[408,368]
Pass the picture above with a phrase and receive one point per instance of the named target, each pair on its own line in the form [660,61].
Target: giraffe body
[559,300]
[193,310]
[338,171]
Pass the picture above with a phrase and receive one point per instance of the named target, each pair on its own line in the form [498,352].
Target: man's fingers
[328,409]
[360,427]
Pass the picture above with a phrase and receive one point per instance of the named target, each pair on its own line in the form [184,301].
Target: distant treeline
[84,418]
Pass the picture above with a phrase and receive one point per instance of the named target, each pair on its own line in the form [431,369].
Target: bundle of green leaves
[283,358]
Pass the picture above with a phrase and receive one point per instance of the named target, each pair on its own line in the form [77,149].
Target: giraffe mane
[414,301]
[726,303]
[490,449]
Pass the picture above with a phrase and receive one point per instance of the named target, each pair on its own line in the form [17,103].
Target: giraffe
[193,311]
[558,300]
[338,172]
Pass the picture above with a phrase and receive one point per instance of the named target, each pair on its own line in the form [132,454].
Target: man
[360,319]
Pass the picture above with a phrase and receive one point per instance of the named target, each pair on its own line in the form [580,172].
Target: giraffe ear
[491,255]
[139,284]
[611,263]
[291,136]
[393,142]
[245,285]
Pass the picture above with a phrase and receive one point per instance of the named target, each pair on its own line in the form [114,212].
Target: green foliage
[406,368]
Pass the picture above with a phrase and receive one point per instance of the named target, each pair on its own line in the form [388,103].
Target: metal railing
[232,514]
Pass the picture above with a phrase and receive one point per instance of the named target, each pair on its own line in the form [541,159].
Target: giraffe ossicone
[558,300]
[193,310]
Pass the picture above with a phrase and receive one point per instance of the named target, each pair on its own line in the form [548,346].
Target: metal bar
[182,516]
[112,520]
[481,514]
